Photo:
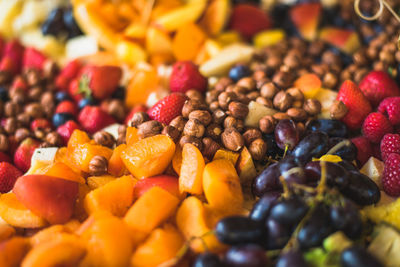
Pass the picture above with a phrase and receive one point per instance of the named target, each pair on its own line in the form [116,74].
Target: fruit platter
[204,133]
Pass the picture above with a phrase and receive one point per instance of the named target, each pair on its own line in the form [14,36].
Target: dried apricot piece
[115,165]
[191,174]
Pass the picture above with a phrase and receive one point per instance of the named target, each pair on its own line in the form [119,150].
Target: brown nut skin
[149,128]
[195,95]
[203,116]
[267,124]
[283,101]
[218,116]
[4,144]
[98,166]
[296,94]
[191,105]
[269,90]
[21,134]
[225,98]
[172,133]
[312,106]
[214,131]
[264,101]
[54,139]
[232,139]
[105,139]
[247,82]
[116,109]
[12,109]
[338,110]
[138,118]
[281,116]
[209,147]
[11,125]
[191,140]
[238,110]
[194,128]
[297,114]
[179,123]
[258,149]
[34,110]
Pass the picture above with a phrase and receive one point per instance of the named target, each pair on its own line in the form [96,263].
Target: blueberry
[54,24]
[61,96]
[119,93]
[3,94]
[70,24]
[238,72]
[86,102]
[61,118]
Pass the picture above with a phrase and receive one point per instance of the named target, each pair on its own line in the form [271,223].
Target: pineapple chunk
[373,168]
[256,112]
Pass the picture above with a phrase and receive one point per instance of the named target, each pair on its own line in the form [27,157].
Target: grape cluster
[301,202]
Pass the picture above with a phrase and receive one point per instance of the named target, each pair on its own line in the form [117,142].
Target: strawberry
[100,81]
[391,175]
[33,59]
[378,85]
[364,149]
[67,106]
[390,144]
[4,157]
[8,176]
[12,57]
[74,92]
[357,104]
[93,119]
[19,83]
[66,130]
[2,45]
[248,20]
[185,76]
[40,123]
[375,126]
[24,152]
[167,108]
[391,107]
[69,72]
[138,108]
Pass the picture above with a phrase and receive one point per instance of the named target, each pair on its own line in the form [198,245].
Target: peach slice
[149,157]
[162,245]
[221,185]
[50,197]
[16,214]
[78,137]
[151,209]
[177,160]
[115,165]
[115,197]
[191,175]
[98,181]
[47,234]
[66,251]
[166,182]
[13,251]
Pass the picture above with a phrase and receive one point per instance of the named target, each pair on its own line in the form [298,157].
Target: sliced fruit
[268,38]
[158,42]
[256,112]
[227,154]
[306,17]
[216,16]
[344,39]
[191,174]
[167,182]
[373,168]
[61,170]
[9,11]
[245,167]
[115,165]
[143,83]
[13,251]
[326,97]
[309,84]
[131,135]
[99,181]
[130,52]
[83,154]
[177,160]
[187,41]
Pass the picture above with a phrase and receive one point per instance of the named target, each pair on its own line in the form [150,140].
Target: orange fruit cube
[191,174]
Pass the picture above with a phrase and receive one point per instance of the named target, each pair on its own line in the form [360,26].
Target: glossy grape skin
[313,145]
[361,189]
[272,148]
[262,207]
[292,258]
[237,230]
[207,259]
[348,165]
[278,235]
[333,128]
[289,211]
[246,256]
[315,229]
[346,218]
[286,134]
[358,257]
[336,175]
[267,181]
[348,151]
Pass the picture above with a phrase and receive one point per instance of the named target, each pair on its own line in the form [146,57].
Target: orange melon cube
[149,156]
[143,83]
[162,245]
[191,174]
[115,197]
[151,209]
[115,165]
[187,41]
[131,135]
[78,137]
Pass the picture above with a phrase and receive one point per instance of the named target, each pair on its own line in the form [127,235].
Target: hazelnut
[191,140]
[247,82]
[24,119]
[116,109]
[218,116]
[34,110]
[253,95]
[283,79]
[50,69]
[283,101]
[122,130]
[297,104]
[54,139]
[32,77]
[338,110]
[222,83]
[18,96]
[171,132]
[103,138]
[269,90]
[179,123]
[238,90]
[47,98]
[4,143]
[250,135]
[292,60]
[212,96]
[35,93]
[214,131]
[259,75]
[267,124]
[203,116]
[194,95]
[209,147]
[232,139]
[12,109]
[330,80]
[238,110]
[11,125]
[149,128]
[39,134]
[138,118]
[312,106]
[230,122]
[98,166]
[296,94]
[225,98]
[281,116]
[264,101]
[258,149]
[21,134]
[191,105]
[214,106]
[242,98]
[301,128]
[297,114]
[194,128]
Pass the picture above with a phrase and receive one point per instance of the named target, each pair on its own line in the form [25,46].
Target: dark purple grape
[267,181]
[278,235]
[358,257]
[292,258]
[361,189]
[272,148]
[54,24]
[246,256]
[348,165]
[336,175]
[346,217]
[289,211]
[261,208]
[286,134]
[313,145]
[288,163]
[333,128]
[237,230]
[347,150]
[315,229]
[207,259]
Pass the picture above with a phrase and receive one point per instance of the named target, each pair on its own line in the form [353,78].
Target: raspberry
[390,144]
[391,175]
[375,126]
[391,107]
